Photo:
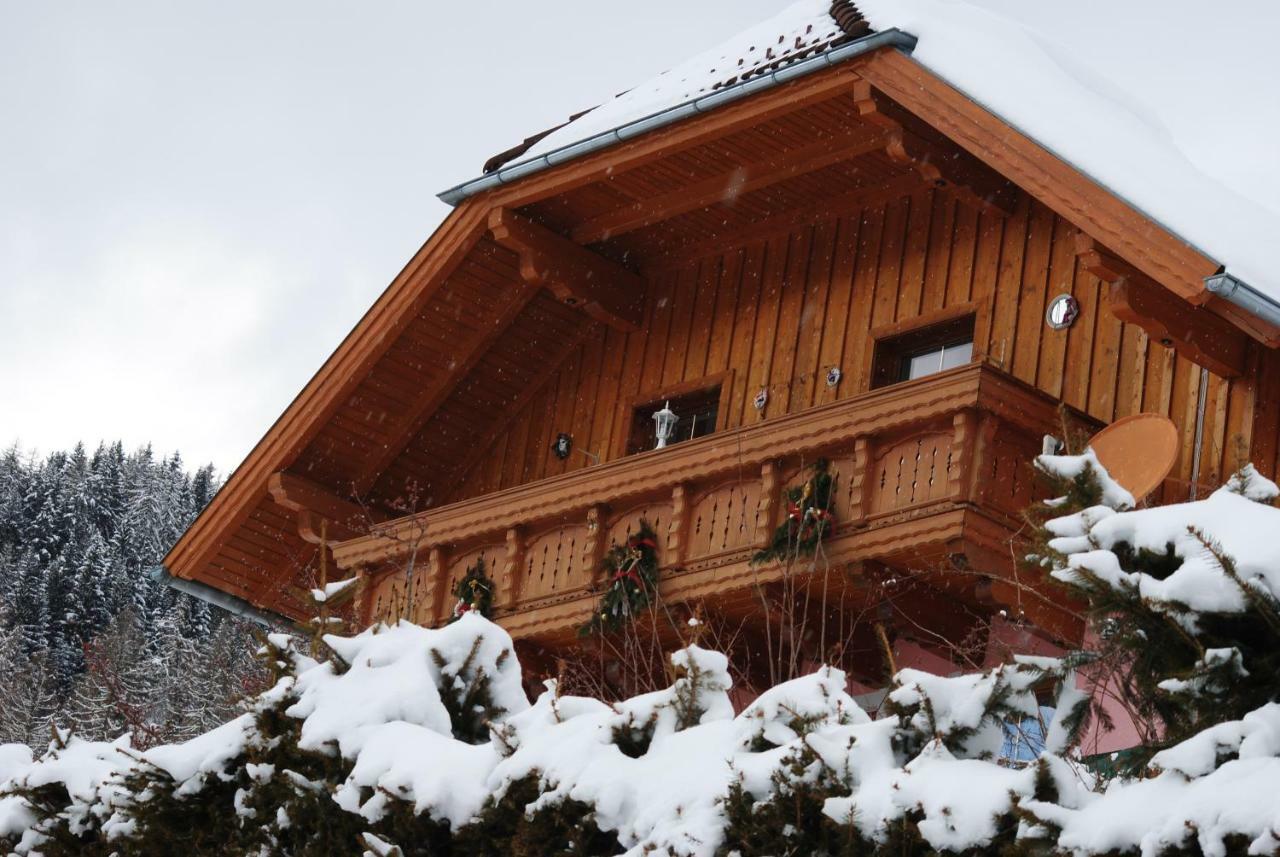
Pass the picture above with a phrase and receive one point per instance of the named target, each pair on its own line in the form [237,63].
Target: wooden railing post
[593,546]
[677,533]
[767,506]
[428,608]
[858,481]
[512,566]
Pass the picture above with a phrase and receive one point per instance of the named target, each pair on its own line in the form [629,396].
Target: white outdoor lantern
[664,425]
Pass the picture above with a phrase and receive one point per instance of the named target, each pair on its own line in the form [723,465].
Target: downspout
[1236,291]
[887,38]
[1202,398]
[235,606]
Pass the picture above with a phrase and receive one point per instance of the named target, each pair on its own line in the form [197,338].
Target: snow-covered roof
[1131,127]
[801,30]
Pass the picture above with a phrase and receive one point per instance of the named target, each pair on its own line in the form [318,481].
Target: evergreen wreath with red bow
[631,579]
[809,518]
[474,592]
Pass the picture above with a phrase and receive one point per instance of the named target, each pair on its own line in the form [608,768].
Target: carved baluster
[508,582]
[593,546]
[858,480]
[767,505]
[677,532]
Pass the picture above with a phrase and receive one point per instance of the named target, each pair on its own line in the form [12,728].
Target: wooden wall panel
[779,312]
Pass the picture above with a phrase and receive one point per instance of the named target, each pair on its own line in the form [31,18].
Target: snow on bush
[408,740]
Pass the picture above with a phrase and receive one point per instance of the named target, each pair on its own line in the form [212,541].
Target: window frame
[890,347]
[654,399]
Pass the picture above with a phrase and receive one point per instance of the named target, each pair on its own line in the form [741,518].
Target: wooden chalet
[842,257]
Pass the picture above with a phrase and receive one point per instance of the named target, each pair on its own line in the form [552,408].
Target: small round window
[1062,313]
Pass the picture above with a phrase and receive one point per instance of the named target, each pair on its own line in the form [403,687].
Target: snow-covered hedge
[416,741]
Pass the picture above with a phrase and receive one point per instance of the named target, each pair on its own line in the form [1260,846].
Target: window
[922,351]
[696,406]
[933,360]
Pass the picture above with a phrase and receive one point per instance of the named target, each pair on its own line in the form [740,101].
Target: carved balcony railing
[926,472]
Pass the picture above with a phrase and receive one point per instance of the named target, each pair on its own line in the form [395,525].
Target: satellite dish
[1138,451]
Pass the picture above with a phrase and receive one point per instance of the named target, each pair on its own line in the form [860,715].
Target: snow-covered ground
[395,709]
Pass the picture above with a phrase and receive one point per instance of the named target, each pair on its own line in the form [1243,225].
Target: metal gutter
[887,38]
[1245,296]
[218,598]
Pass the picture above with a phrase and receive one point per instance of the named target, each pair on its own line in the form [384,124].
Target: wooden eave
[479,319]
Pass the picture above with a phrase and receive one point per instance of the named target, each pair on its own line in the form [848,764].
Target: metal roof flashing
[893,37]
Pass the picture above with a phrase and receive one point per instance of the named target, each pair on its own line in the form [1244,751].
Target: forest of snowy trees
[88,639]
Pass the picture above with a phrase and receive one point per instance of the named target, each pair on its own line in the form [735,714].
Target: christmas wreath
[809,518]
[631,578]
[474,592]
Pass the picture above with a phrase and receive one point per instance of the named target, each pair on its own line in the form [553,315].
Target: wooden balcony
[930,474]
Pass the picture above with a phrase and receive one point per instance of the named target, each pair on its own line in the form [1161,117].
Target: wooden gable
[763,244]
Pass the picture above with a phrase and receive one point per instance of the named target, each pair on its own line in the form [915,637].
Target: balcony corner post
[964,450]
[982,433]
[512,560]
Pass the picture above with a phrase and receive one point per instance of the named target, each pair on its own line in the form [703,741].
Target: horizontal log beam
[727,187]
[1195,332]
[605,290]
[812,212]
[313,503]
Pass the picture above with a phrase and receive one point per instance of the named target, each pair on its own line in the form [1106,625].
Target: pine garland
[631,574]
[474,592]
[809,518]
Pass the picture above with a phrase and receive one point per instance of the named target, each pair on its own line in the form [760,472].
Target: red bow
[625,574]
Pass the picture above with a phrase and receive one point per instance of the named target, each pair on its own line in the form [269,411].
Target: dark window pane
[696,415]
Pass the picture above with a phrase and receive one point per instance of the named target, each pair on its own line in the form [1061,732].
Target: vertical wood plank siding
[779,312]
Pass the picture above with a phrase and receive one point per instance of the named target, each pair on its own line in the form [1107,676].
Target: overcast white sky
[198,200]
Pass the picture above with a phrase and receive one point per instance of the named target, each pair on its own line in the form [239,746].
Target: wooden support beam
[314,503]
[411,420]
[605,290]
[727,187]
[811,212]
[1196,332]
[940,165]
